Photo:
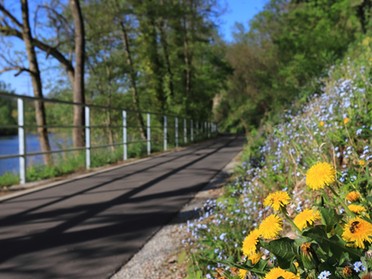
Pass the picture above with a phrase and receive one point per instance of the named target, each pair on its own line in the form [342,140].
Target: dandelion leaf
[330,218]
[284,250]
[334,247]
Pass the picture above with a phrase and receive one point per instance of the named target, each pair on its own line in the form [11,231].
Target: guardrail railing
[121,126]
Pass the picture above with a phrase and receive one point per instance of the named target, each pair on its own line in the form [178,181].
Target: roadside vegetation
[299,205]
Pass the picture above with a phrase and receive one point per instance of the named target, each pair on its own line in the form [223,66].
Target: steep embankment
[316,165]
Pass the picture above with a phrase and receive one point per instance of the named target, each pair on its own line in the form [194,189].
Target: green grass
[8,179]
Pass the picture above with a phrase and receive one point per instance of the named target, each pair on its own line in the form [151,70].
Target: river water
[9,146]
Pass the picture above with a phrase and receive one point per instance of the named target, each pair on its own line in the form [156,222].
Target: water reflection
[9,146]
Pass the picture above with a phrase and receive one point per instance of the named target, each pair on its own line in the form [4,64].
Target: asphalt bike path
[90,227]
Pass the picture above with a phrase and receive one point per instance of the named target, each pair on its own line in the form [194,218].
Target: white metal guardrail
[192,131]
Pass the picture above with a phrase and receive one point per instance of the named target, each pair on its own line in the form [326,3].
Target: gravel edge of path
[158,258]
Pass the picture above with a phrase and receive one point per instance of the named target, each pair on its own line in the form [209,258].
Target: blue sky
[236,11]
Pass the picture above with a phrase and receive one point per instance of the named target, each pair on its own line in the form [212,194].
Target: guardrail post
[165,133]
[21,141]
[209,129]
[87,138]
[148,134]
[184,131]
[197,131]
[176,131]
[125,139]
[205,130]
[191,131]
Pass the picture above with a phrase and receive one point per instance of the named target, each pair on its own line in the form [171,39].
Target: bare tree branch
[6,60]
[15,68]
[10,16]
[62,19]
[49,50]
[9,31]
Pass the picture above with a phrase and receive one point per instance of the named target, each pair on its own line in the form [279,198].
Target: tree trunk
[78,80]
[36,84]
[109,123]
[156,64]
[133,80]
[164,43]
[188,63]
[364,14]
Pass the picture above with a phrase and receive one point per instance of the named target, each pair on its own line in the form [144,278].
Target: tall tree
[162,26]
[66,60]
[133,78]
[147,15]
[33,70]
[78,85]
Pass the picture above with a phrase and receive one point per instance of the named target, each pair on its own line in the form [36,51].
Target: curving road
[90,227]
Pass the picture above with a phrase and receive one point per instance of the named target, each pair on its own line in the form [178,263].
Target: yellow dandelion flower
[320,175]
[255,257]
[356,208]
[277,272]
[321,123]
[346,120]
[306,218]
[250,242]
[361,163]
[357,231]
[271,226]
[353,196]
[242,273]
[277,200]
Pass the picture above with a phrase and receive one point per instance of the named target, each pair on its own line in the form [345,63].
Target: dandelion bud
[347,271]
[308,256]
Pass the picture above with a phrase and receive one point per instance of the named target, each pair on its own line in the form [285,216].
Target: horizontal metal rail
[157,131]
[57,101]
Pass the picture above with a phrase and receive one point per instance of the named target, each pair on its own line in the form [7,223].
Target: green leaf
[330,218]
[284,249]
[334,246]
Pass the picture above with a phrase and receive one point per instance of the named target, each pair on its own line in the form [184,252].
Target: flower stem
[284,211]
[342,202]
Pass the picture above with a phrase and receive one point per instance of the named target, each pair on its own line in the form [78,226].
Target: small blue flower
[358,267]
[324,274]
[222,236]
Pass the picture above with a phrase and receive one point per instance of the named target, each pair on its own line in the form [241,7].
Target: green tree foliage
[178,65]
[7,112]
[288,44]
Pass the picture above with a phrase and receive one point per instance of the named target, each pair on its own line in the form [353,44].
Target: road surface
[90,227]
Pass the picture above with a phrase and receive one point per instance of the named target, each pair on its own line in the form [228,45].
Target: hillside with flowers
[300,203]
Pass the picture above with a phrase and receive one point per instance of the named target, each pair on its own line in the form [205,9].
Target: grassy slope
[334,126]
